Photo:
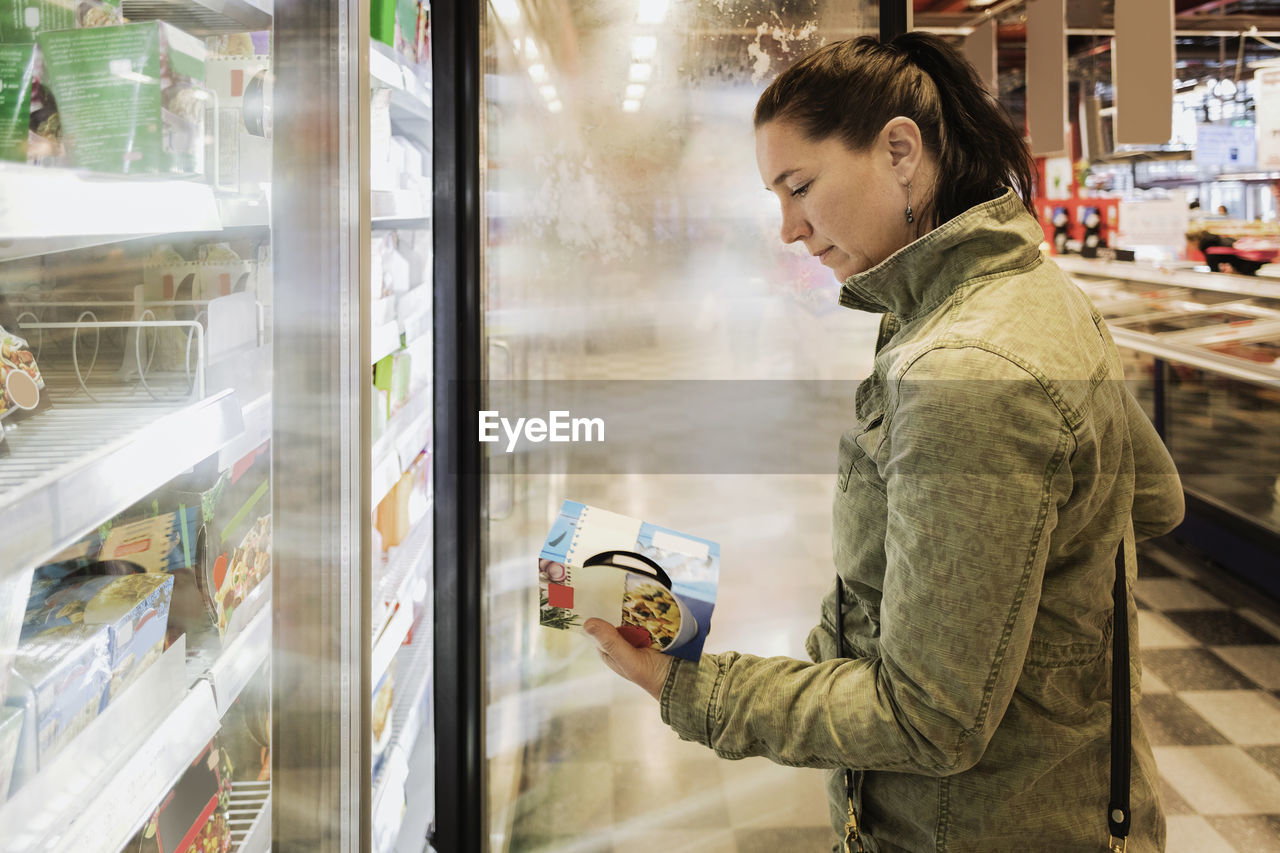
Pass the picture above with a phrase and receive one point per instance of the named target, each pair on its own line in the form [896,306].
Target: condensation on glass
[629,236]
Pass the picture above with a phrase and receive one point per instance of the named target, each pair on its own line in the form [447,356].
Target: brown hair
[852,88]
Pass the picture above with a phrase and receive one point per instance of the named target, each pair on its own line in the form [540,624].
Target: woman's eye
[800,191]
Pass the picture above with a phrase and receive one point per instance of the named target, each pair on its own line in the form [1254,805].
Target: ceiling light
[538,72]
[652,11]
[644,47]
[515,45]
[548,92]
[631,106]
[530,48]
[641,72]
[555,106]
[507,10]
[635,92]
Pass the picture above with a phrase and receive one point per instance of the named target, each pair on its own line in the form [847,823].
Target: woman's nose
[794,227]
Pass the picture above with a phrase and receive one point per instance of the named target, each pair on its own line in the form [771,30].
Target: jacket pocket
[857,446]
[868,442]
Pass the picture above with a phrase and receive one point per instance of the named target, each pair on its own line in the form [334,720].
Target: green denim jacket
[997,464]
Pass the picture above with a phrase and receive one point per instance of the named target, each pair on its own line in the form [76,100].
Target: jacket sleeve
[1158,503]
[973,474]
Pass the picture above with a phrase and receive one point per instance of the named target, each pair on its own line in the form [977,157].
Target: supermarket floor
[594,769]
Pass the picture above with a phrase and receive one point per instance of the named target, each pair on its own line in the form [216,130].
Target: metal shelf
[77,464]
[407,724]
[408,433]
[99,790]
[1215,281]
[204,17]
[1223,365]
[250,817]
[403,567]
[53,210]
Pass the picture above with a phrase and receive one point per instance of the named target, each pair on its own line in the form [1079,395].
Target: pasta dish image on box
[657,585]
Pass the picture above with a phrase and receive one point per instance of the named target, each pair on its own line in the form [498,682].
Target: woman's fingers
[644,667]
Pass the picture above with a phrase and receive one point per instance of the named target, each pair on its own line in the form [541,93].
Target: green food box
[382,21]
[17,66]
[23,20]
[131,98]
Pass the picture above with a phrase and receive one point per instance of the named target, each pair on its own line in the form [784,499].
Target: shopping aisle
[1211,704]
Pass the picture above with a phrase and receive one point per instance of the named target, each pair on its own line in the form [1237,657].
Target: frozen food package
[10,733]
[192,817]
[23,20]
[17,70]
[13,600]
[60,679]
[656,584]
[233,557]
[131,99]
[22,387]
[134,607]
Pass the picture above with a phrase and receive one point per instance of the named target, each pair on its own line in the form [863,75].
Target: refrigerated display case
[135,488]
[1200,352]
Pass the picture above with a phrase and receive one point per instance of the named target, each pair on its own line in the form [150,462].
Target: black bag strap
[1118,816]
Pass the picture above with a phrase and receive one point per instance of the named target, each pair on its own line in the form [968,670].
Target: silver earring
[911,217]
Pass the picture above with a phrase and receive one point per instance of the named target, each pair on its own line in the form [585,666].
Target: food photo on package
[22,387]
[657,585]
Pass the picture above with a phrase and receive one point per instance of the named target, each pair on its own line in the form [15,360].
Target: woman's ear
[901,137]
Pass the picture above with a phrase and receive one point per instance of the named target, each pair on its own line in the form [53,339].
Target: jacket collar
[992,237]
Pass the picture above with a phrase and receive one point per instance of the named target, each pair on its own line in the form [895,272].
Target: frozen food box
[23,20]
[161,543]
[22,387]
[10,733]
[193,816]
[656,584]
[61,676]
[234,555]
[383,701]
[134,608]
[17,69]
[242,158]
[131,99]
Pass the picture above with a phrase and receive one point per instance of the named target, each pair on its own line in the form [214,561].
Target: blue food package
[62,677]
[134,608]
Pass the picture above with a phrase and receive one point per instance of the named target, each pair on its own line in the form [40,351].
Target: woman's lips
[822,256]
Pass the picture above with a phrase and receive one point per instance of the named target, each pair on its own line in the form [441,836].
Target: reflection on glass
[629,237]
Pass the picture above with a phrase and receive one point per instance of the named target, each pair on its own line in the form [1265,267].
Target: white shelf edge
[384,341]
[1137,271]
[240,660]
[74,205]
[390,640]
[1195,357]
[73,498]
[385,454]
[102,787]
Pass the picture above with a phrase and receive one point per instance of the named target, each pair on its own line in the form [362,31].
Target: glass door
[633,271]
[136,488]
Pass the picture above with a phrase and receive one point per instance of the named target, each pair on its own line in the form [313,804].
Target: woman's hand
[645,667]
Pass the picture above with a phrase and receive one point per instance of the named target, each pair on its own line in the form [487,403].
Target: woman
[997,465]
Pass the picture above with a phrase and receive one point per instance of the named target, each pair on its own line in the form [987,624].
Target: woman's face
[847,207]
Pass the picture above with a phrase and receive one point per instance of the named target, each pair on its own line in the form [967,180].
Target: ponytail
[852,88]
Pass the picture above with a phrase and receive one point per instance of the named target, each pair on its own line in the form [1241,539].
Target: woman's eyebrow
[782,177]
